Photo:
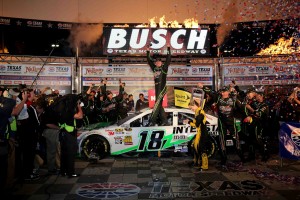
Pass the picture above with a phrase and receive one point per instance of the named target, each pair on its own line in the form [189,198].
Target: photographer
[67,109]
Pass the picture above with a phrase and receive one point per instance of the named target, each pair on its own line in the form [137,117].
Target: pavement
[166,177]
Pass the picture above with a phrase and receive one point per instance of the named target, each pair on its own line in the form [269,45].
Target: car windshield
[120,122]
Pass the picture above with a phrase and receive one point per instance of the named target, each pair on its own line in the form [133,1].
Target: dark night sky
[246,39]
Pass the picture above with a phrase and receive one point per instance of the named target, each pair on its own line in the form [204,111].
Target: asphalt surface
[170,176]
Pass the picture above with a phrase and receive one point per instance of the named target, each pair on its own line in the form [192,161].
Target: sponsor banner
[32,23]
[144,70]
[263,81]
[289,140]
[182,97]
[46,81]
[15,74]
[261,70]
[135,41]
[133,81]
[261,74]
[134,75]
[32,70]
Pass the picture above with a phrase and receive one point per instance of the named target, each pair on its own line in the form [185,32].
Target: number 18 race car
[132,135]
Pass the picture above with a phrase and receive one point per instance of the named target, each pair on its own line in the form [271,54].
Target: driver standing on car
[160,71]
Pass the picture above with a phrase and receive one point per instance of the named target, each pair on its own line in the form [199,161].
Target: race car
[132,135]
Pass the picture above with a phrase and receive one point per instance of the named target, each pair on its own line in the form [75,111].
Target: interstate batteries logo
[108,190]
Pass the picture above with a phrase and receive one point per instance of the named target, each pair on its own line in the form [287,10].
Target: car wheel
[95,148]
[210,147]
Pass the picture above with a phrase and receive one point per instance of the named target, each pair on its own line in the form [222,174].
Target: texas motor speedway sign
[135,41]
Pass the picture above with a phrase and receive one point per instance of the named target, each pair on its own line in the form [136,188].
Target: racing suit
[227,122]
[257,128]
[160,80]
[200,157]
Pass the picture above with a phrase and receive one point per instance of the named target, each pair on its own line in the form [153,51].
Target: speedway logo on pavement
[108,190]
[170,190]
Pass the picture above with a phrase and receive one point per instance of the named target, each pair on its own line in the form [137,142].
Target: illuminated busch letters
[137,40]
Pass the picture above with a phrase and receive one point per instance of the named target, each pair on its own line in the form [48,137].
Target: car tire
[210,147]
[95,147]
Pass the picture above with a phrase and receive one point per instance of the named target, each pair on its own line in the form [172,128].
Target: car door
[154,138]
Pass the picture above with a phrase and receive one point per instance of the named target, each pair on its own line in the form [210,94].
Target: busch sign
[135,41]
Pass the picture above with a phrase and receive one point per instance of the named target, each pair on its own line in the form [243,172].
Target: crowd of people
[259,111]
[39,126]
[32,118]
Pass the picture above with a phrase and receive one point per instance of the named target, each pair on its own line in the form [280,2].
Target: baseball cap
[108,92]
[14,92]
[260,93]
[224,89]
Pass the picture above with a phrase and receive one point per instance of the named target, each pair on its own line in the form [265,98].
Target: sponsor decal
[51,69]
[62,69]
[109,70]
[4,21]
[179,71]
[35,23]
[179,137]
[138,71]
[34,69]
[202,70]
[119,131]
[182,97]
[111,133]
[118,140]
[2,67]
[8,82]
[262,69]
[128,129]
[212,129]
[14,68]
[108,190]
[181,129]
[93,71]
[64,26]
[235,70]
[128,140]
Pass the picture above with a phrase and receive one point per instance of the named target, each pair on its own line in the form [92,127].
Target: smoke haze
[84,36]
[229,17]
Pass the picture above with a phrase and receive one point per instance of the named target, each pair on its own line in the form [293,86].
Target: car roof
[145,111]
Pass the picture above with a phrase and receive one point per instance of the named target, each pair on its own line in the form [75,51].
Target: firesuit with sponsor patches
[160,80]
[257,131]
[227,122]
[199,155]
